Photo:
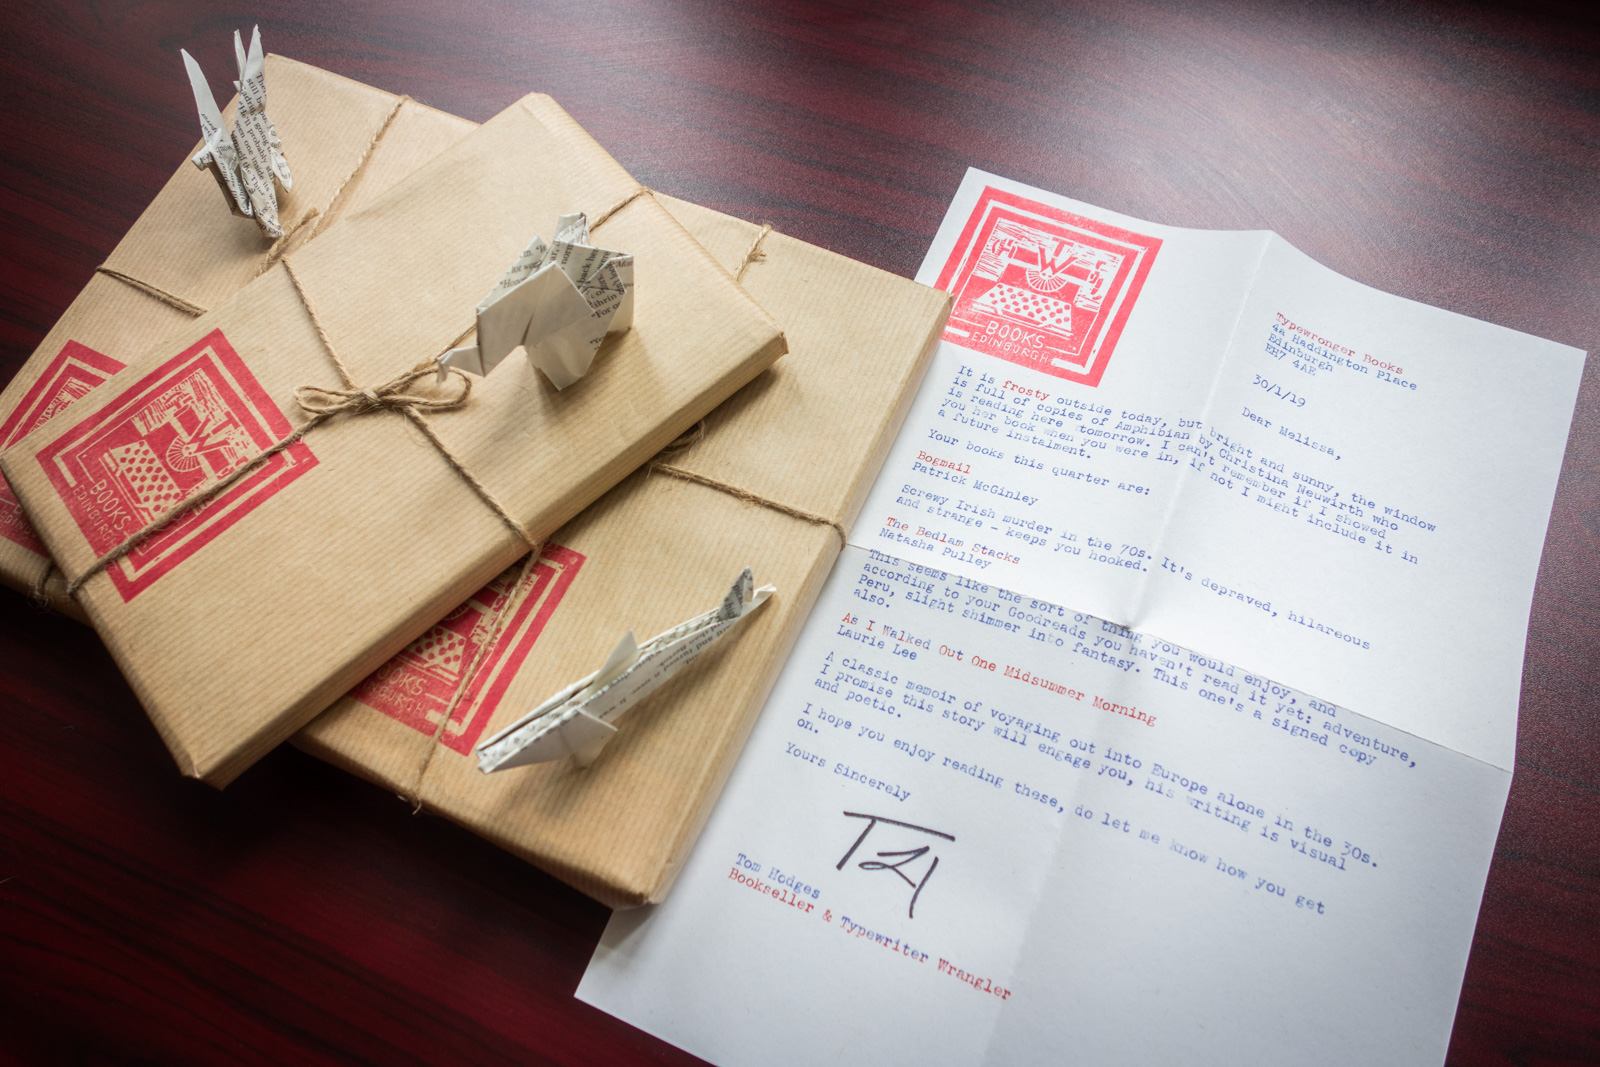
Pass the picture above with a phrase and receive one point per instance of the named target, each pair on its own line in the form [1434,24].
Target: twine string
[605,216]
[754,253]
[40,592]
[337,199]
[687,439]
[281,246]
[755,498]
[393,394]
[162,295]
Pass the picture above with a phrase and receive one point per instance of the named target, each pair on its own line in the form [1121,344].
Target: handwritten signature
[904,859]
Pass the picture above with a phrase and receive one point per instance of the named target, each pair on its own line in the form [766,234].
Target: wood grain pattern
[1444,152]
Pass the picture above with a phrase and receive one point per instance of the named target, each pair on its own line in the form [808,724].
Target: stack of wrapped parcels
[371,589]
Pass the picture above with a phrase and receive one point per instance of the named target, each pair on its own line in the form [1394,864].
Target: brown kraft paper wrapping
[810,434]
[243,619]
[347,143]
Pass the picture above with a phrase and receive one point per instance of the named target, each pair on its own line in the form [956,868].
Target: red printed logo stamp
[1043,287]
[70,376]
[173,434]
[416,685]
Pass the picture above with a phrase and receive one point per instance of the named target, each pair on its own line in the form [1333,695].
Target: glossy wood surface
[1447,153]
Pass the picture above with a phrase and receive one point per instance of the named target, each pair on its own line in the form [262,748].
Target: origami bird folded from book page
[247,161]
[579,720]
[558,301]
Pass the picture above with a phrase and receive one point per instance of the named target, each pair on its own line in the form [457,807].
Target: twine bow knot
[394,394]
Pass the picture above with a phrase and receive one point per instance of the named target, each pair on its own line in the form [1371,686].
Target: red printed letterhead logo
[416,685]
[75,371]
[173,434]
[1042,287]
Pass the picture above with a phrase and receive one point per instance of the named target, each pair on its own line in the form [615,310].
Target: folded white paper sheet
[1162,708]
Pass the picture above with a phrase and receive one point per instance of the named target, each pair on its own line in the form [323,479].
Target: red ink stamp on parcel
[415,686]
[75,371]
[1042,287]
[173,434]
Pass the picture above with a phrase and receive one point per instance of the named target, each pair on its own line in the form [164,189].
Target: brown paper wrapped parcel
[243,618]
[348,144]
[780,468]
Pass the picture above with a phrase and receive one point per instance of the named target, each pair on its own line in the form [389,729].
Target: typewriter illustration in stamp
[1042,287]
[75,371]
[416,685]
[173,434]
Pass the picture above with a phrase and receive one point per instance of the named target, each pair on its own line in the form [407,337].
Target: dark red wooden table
[1447,153]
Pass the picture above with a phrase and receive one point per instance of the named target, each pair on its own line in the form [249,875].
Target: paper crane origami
[247,161]
[578,721]
[558,301]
